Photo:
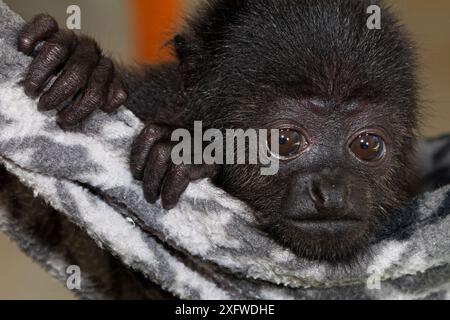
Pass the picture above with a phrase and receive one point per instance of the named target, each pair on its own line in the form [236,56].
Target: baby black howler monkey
[343,96]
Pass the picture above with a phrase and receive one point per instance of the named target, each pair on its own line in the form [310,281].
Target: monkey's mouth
[322,237]
[329,226]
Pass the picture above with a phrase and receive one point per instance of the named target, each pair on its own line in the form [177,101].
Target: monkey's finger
[178,178]
[176,181]
[117,96]
[159,161]
[74,77]
[93,97]
[39,29]
[141,148]
[54,53]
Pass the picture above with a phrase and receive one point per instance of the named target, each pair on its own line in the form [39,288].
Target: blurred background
[136,30]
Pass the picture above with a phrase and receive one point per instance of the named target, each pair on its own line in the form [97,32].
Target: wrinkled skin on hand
[151,162]
[84,79]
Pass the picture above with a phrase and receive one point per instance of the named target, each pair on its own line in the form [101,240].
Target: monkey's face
[344,98]
[338,178]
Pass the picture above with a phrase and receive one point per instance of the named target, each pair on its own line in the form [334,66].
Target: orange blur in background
[155,23]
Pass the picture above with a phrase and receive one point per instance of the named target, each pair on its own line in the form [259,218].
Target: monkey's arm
[85,79]
[89,80]
[156,95]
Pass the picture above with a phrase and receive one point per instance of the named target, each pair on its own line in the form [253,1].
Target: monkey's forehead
[321,43]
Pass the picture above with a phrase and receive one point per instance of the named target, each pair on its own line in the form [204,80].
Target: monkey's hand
[84,79]
[151,162]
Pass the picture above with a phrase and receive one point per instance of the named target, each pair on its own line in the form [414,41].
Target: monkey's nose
[329,194]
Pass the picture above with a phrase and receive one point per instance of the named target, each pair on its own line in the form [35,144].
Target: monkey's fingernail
[150,197]
[43,105]
[24,45]
[31,89]
[64,125]
[168,206]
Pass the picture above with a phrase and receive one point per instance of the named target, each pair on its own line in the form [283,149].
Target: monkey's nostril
[315,194]
[328,195]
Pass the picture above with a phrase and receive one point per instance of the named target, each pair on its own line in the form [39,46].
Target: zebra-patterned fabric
[68,198]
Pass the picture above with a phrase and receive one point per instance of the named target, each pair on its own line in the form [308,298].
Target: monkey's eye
[290,144]
[368,147]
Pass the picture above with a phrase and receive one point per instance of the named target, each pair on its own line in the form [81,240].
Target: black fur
[250,63]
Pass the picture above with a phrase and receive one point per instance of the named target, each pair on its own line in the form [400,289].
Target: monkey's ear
[184,49]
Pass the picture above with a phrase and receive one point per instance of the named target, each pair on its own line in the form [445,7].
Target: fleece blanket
[69,201]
